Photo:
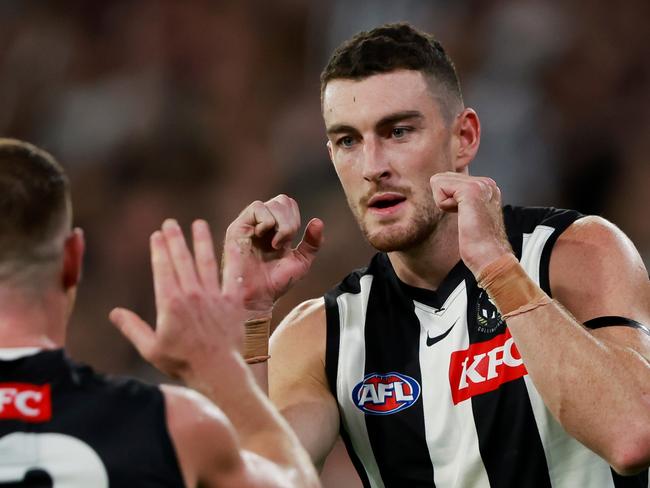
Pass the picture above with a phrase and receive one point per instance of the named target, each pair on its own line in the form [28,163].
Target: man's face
[386,138]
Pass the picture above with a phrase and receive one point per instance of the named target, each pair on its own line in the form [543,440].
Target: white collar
[11,353]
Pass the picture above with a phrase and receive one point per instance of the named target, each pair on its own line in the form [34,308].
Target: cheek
[346,170]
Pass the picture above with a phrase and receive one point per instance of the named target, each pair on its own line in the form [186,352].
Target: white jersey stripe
[350,371]
[452,440]
[563,453]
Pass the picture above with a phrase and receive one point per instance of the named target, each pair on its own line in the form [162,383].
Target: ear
[329,150]
[467,133]
[73,251]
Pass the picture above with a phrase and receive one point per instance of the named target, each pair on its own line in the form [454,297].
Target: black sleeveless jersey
[64,426]
[431,388]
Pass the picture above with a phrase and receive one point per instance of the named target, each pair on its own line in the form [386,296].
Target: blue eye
[346,141]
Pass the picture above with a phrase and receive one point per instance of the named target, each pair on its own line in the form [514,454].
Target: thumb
[312,239]
[136,330]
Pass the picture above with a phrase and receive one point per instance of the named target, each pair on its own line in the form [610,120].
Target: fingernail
[170,223]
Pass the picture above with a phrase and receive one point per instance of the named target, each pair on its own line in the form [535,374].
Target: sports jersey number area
[69,462]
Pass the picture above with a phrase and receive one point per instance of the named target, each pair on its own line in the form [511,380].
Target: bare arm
[198,339]
[208,446]
[595,382]
[297,383]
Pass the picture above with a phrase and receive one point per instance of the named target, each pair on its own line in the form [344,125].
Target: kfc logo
[26,402]
[484,366]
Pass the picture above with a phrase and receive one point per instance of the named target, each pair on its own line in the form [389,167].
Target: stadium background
[195,108]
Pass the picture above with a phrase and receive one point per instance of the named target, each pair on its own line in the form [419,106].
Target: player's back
[61,424]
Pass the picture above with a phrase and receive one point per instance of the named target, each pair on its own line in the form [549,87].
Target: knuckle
[176,304]
[257,205]
[206,260]
[194,296]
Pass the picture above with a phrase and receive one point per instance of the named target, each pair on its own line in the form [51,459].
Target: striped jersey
[431,388]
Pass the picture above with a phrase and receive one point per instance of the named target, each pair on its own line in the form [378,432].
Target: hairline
[448,102]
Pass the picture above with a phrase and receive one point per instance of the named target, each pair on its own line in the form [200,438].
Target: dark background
[193,109]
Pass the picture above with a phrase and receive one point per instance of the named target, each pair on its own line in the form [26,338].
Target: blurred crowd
[194,108]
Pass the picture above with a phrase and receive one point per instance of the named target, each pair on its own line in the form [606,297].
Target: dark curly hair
[392,47]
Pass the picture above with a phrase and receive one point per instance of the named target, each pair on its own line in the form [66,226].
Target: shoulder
[526,219]
[203,436]
[307,311]
[304,324]
[595,270]
[598,236]
[114,388]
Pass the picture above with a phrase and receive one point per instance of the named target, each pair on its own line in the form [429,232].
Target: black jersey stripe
[392,345]
[639,480]
[509,441]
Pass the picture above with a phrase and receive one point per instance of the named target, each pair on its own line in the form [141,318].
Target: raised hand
[481,232]
[258,257]
[199,326]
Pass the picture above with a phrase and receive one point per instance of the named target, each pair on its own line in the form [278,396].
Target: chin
[391,240]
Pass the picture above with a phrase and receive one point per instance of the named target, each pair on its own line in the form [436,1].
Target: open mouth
[386,201]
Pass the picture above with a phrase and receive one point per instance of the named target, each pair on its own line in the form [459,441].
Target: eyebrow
[383,122]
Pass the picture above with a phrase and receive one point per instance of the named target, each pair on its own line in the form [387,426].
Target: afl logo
[383,394]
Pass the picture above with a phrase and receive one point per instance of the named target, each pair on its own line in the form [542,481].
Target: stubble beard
[395,237]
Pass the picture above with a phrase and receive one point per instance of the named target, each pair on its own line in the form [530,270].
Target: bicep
[297,383]
[595,271]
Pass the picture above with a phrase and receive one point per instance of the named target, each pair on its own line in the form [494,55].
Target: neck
[427,264]
[32,319]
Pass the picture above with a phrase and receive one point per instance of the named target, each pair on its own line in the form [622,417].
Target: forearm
[596,389]
[261,430]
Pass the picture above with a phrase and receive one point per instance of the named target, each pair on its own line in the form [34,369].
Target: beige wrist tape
[256,340]
[511,289]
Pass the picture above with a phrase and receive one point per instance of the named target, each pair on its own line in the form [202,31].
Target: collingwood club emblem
[488,317]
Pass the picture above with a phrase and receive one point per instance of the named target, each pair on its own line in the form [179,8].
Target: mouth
[385,203]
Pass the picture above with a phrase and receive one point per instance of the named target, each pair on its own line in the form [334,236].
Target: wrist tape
[510,288]
[256,340]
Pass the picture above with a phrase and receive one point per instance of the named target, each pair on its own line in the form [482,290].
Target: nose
[376,164]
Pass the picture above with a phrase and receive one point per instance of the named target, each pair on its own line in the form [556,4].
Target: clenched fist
[477,200]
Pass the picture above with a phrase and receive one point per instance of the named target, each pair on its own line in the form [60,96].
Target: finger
[165,283]
[287,216]
[136,330]
[181,258]
[206,262]
[255,220]
[312,240]
[444,192]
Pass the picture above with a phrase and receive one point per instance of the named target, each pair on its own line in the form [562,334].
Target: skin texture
[387,140]
[198,339]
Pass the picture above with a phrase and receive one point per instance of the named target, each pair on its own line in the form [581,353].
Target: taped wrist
[256,340]
[510,288]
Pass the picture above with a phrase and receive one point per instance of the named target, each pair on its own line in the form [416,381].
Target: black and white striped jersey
[431,388]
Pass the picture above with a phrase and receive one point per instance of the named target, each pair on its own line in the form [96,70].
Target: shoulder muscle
[205,441]
[595,270]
